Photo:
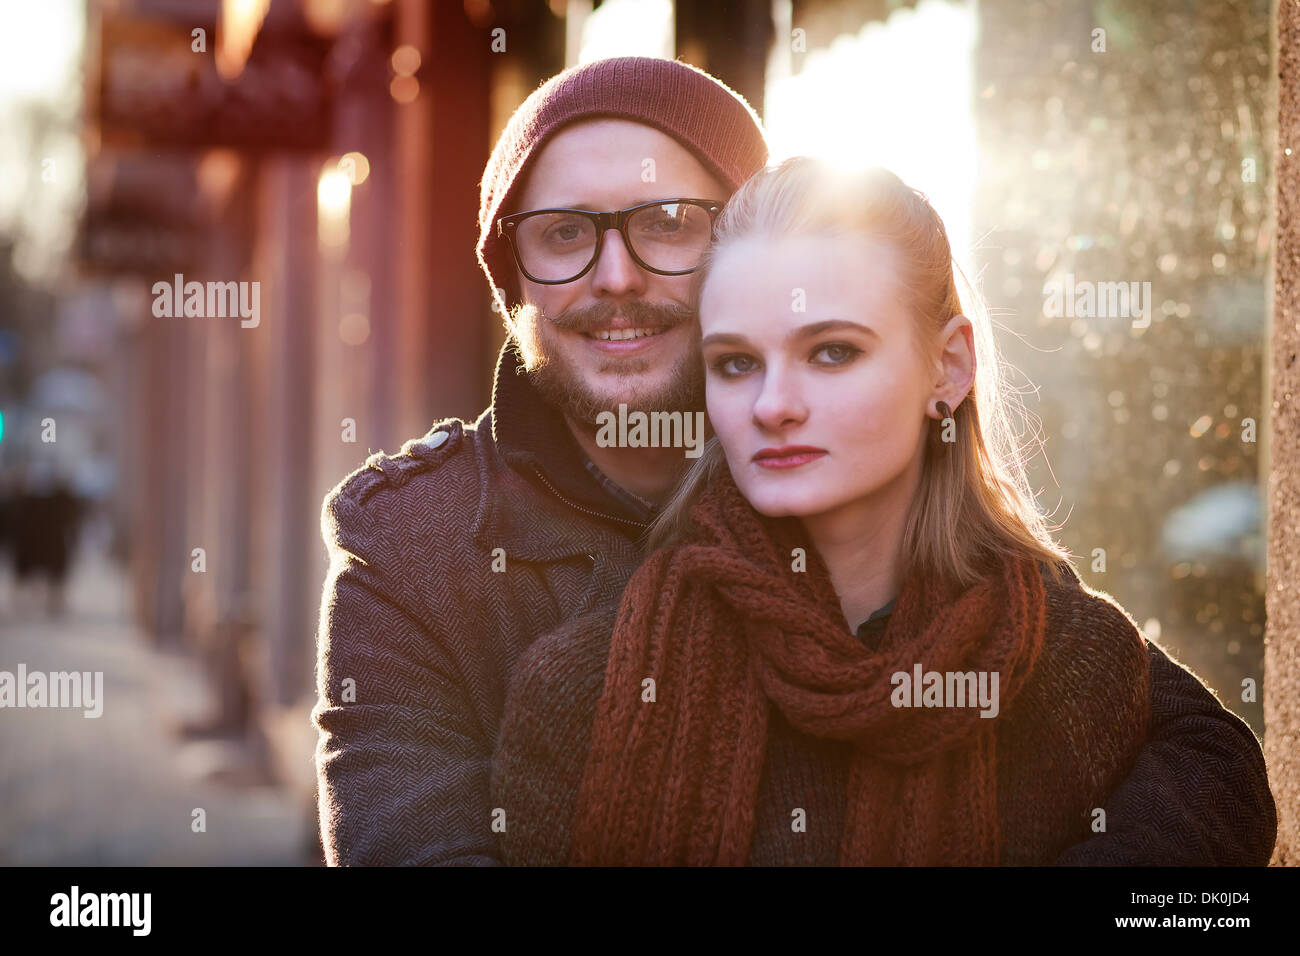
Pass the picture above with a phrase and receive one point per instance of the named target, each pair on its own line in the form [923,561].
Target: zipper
[639,524]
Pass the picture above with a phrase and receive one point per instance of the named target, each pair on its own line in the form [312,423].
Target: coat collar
[578,509]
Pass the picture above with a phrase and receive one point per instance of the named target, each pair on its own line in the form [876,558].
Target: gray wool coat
[451,557]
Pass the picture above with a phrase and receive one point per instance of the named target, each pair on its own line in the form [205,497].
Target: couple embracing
[779,651]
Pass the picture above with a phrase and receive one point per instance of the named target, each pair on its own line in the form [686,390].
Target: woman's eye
[844,351]
[720,365]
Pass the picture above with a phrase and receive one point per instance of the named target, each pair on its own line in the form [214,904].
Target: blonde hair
[974,501]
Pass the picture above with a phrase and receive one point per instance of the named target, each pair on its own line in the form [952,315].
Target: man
[449,558]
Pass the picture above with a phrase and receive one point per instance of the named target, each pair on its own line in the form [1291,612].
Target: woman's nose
[779,403]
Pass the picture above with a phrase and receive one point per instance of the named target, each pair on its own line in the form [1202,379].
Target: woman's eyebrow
[802,332]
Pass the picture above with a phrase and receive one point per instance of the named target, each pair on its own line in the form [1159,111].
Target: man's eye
[663,224]
[564,232]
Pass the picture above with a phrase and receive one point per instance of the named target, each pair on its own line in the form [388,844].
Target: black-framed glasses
[667,237]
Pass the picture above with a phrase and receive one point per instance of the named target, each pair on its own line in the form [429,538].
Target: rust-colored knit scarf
[724,625]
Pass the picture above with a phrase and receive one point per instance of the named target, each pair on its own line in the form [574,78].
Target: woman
[743,704]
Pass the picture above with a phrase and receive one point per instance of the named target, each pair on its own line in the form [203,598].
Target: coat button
[437,439]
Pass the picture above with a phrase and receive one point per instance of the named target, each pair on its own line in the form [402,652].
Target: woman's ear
[957,364]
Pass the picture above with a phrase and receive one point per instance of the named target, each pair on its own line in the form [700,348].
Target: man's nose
[616,272]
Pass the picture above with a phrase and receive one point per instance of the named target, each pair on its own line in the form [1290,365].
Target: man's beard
[565,388]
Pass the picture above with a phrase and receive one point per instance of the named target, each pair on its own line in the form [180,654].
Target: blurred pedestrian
[44,518]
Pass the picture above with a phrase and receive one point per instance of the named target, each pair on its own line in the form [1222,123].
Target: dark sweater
[1053,768]
[873,628]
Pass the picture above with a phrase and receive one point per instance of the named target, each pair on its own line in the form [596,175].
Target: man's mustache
[652,315]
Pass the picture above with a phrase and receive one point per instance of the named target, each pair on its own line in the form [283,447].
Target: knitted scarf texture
[726,628]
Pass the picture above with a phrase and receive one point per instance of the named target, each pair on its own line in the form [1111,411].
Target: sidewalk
[120,789]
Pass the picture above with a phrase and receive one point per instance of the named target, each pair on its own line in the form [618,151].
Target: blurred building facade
[1138,148]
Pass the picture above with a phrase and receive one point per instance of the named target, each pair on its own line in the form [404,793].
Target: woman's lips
[793,460]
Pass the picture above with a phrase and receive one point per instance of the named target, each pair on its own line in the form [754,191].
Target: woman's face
[807,342]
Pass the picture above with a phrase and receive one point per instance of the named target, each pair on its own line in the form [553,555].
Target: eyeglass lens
[670,237]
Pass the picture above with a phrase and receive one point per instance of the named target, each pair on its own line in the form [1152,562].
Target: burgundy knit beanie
[700,112]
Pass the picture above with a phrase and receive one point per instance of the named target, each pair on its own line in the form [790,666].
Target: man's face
[604,165]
